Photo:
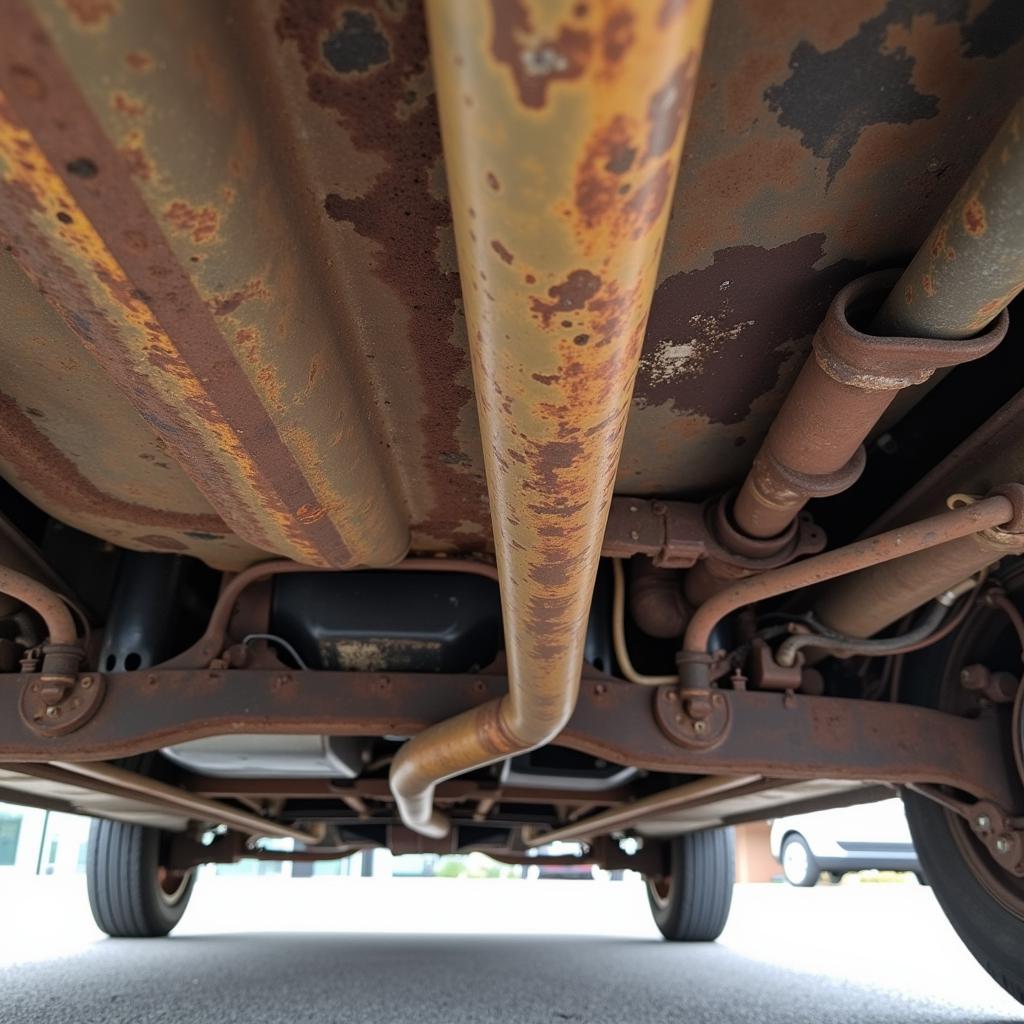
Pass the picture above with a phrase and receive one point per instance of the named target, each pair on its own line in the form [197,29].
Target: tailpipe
[562,153]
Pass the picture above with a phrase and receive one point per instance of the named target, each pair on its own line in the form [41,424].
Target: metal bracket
[75,706]
[1002,834]
[698,719]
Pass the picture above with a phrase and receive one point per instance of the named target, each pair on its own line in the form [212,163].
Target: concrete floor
[335,950]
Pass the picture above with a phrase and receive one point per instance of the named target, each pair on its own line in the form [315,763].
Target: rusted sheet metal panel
[182,272]
[73,445]
[287,157]
[826,140]
[563,126]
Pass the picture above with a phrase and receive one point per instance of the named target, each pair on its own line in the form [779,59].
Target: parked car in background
[844,839]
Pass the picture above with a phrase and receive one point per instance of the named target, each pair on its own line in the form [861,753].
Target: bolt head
[983,823]
[1004,844]
[700,726]
[86,682]
[52,711]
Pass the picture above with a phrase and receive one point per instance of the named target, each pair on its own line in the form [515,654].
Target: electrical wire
[619,633]
[281,642]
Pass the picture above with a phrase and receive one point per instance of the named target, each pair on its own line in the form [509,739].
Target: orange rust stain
[92,15]
[975,223]
[908,294]
[127,105]
[139,61]
[309,514]
[928,285]
[134,155]
[225,305]
[201,223]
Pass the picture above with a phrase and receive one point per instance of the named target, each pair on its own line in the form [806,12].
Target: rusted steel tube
[562,144]
[972,264]
[675,799]
[49,606]
[987,514]
[197,807]
[815,445]
[868,602]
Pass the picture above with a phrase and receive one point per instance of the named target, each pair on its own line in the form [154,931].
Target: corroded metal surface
[972,264]
[826,140]
[285,159]
[563,126]
[799,737]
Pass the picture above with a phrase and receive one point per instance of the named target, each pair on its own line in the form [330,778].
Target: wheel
[132,896]
[691,903]
[983,902]
[798,863]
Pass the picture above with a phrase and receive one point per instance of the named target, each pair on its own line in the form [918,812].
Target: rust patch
[572,294]
[505,255]
[717,338]
[224,305]
[374,110]
[536,63]
[135,158]
[139,61]
[645,205]
[127,106]
[608,155]
[92,15]
[617,36]
[357,46]
[200,223]
[975,221]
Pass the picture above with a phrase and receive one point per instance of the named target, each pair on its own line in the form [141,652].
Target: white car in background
[868,836]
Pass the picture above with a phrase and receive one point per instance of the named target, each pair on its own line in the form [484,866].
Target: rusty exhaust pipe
[960,281]
[563,126]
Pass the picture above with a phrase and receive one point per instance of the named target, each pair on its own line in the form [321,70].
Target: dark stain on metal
[536,63]
[995,29]
[357,46]
[404,216]
[617,36]
[82,167]
[831,118]
[573,293]
[505,255]
[718,337]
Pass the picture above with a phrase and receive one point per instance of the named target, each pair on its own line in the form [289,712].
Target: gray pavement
[427,952]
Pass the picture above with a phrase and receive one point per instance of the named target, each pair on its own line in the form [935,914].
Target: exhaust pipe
[562,140]
[960,281]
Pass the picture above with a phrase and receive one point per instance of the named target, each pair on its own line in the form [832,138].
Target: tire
[691,903]
[798,864]
[984,904]
[130,896]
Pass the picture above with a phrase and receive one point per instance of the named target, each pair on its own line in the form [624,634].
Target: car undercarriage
[459,426]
